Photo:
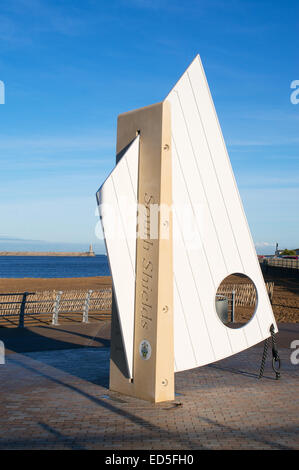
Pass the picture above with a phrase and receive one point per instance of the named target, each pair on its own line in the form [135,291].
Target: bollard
[56,308]
[86,307]
[233,306]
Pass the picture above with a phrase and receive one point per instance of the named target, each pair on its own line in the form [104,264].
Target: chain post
[56,308]
[22,310]
[86,307]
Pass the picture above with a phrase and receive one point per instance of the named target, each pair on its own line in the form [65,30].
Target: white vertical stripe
[119,192]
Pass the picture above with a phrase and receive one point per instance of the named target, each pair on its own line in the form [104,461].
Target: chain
[275,356]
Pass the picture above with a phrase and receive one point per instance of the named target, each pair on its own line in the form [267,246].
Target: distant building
[278,252]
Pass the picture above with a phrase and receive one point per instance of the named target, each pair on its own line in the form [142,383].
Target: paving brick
[56,400]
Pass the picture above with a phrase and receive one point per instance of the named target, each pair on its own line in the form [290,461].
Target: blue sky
[70,67]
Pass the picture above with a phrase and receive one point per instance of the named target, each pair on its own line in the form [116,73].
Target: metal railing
[285,263]
[24,304]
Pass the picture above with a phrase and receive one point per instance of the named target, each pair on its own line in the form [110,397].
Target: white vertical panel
[182,337]
[118,197]
[230,193]
[197,166]
[190,303]
[193,274]
[124,179]
[202,176]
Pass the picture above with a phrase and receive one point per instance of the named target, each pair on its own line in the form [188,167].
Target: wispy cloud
[264,180]
[262,143]
[152,4]
[50,143]
[51,163]
[7,29]
[14,239]
[261,244]
[270,114]
[48,17]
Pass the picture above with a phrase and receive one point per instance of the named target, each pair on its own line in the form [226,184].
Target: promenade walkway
[58,399]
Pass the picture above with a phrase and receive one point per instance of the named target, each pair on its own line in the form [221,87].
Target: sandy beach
[38,285]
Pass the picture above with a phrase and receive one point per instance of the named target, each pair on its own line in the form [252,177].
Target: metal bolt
[165,382]
[165,309]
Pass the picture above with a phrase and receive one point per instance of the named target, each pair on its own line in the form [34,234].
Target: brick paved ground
[59,400]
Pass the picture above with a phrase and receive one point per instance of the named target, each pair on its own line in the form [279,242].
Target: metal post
[2,353]
[22,310]
[86,307]
[56,308]
[233,306]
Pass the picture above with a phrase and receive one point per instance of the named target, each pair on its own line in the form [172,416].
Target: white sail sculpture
[221,244]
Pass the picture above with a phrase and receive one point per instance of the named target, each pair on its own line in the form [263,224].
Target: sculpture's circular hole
[236,300]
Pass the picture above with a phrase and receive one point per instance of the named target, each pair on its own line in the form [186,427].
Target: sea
[53,266]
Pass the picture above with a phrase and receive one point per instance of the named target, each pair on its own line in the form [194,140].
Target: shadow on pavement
[51,338]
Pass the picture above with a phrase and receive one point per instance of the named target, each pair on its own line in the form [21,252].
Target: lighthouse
[91,252]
